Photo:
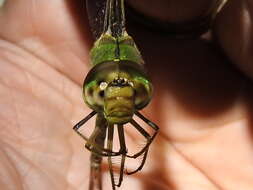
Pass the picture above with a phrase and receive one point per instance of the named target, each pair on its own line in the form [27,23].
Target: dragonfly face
[117,89]
[119,101]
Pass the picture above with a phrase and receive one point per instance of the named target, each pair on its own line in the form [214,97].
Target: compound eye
[143,92]
[93,93]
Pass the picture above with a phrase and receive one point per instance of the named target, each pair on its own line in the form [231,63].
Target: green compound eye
[93,92]
[104,75]
[143,89]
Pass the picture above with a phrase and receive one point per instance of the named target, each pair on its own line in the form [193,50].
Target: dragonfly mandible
[116,88]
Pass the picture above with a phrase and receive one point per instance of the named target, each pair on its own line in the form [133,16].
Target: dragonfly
[116,88]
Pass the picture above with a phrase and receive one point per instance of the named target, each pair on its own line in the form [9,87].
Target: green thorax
[108,48]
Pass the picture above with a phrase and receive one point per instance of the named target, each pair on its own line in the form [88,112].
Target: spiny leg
[109,146]
[144,133]
[94,134]
[102,151]
[83,121]
[150,123]
[146,148]
[94,147]
[147,136]
[141,165]
[124,151]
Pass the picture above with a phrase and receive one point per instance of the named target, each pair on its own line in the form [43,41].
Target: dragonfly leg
[141,165]
[144,149]
[150,123]
[83,121]
[90,145]
[109,146]
[144,133]
[123,156]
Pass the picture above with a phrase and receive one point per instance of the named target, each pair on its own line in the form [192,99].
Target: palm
[202,103]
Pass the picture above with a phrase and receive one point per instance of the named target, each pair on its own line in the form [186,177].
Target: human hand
[201,102]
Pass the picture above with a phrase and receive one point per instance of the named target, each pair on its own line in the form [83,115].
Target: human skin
[202,101]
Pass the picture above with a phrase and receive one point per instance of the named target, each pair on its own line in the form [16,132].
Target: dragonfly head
[117,89]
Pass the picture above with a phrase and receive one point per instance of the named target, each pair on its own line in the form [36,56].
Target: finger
[234,33]
[173,11]
[56,32]
[178,19]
